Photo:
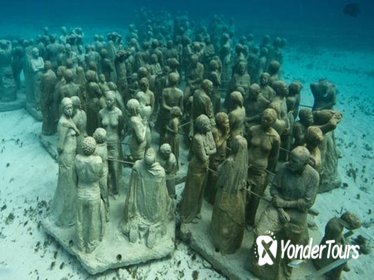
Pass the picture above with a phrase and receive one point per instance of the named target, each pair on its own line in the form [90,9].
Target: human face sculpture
[110,101]
[149,157]
[68,110]
[268,119]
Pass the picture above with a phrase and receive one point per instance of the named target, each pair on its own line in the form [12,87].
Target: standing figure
[64,201]
[202,148]
[171,96]
[90,210]
[102,151]
[93,94]
[70,88]
[263,151]
[148,207]
[37,66]
[111,119]
[47,100]
[138,130]
[228,217]
[9,83]
[80,119]
[169,162]
[221,134]
[294,190]
[172,131]
[237,114]
[284,123]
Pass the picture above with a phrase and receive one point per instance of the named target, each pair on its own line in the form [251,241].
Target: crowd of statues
[172,82]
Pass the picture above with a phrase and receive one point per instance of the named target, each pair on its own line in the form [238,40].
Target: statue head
[76,102]
[280,87]
[144,84]
[274,67]
[264,79]
[68,75]
[149,157]
[294,88]
[306,116]
[236,98]
[254,90]
[67,106]
[165,150]
[133,106]
[350,220]
[269,116]
[102,78]
[176,112]
[222,122]
[100,135]
[202,124]
[35,52]
[112,86]
[110,99]
[140,96]
[299,158]
[91,76]
[207,86]
[173,79]
[242,67]
[88,145]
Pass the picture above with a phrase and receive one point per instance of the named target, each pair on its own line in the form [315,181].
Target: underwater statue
[324,93]
[138,130]
[202,148]
[101,150]
[263,151]
[8,86]
[64,200]
[169,162]
[221,134]
[48,100]
[148,207]
[334,231]
[228,217]
[90,218]
[111,119]
[294,190]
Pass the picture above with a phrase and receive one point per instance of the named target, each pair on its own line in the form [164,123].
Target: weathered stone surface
[234,266]
[17,104]
[114,250]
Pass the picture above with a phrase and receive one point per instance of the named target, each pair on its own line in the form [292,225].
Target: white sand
[29,177]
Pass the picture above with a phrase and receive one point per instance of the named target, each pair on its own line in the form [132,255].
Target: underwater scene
[186,139]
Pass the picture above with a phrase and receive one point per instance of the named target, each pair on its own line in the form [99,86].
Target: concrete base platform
[17,104]
[234,266]
[50,143]
[115,250]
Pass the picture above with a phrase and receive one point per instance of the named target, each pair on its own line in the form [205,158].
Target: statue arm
[199,149]
[62,133]
[274,154]
[139,131]
[164,105]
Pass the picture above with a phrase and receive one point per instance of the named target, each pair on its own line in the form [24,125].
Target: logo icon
[267,249]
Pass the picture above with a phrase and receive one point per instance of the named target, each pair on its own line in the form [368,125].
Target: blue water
[307,20]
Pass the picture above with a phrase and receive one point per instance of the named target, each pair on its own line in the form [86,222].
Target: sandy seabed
[28,178]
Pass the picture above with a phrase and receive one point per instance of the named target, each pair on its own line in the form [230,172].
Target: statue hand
[278,202]
[301,205]
[283,216]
